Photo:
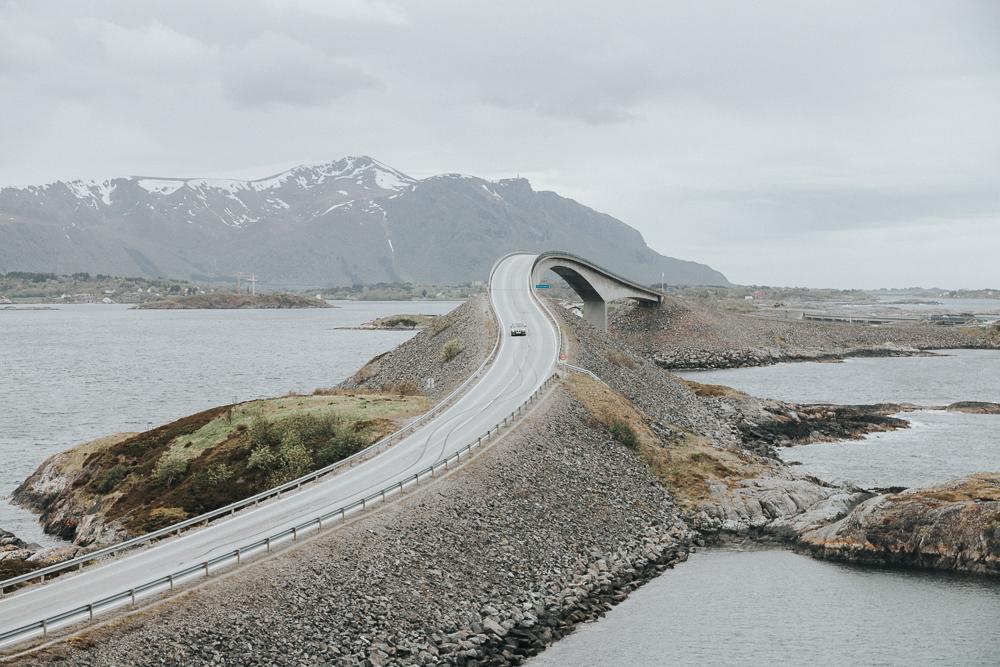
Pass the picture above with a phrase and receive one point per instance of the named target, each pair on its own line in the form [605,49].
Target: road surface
[521,365]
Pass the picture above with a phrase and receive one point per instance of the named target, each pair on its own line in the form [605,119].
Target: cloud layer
[847,144]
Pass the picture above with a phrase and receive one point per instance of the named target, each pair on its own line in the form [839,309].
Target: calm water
[958,375]
[86,371]
[776,607]
[937,447]
[727,607]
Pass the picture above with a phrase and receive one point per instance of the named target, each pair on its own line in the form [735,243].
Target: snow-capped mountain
[355,220]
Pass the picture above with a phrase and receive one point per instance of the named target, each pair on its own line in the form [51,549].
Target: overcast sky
[845,144]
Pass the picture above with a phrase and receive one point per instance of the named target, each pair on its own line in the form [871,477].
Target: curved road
[521,365]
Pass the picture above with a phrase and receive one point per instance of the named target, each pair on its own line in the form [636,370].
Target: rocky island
[229,301]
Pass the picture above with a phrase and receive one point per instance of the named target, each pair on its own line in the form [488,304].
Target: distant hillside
[353,221]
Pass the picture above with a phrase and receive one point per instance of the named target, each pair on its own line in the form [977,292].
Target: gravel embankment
[424,358]
[679,334]
[662,396]
[549,528]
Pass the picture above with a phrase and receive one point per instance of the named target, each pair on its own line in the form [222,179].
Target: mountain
[351,221]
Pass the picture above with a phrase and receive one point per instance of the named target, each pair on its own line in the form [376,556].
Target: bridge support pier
[595,311]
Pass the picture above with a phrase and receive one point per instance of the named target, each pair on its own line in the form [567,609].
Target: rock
[954,526]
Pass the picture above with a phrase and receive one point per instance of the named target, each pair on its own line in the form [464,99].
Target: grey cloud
[730,132]
[273,70]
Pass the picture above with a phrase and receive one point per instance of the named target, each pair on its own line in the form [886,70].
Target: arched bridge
[595,285]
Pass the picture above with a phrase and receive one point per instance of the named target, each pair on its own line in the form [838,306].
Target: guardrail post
[364,504]
[132,596]
[206,567]
[319,521]
[90,610]
[383,494]
[267,543]
[342,510]
[45,628]
[295,533]
[169,577]
[239,553]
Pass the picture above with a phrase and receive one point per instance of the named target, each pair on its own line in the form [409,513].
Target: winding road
[521,366]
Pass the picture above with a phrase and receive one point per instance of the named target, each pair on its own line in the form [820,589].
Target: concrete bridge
[594,285]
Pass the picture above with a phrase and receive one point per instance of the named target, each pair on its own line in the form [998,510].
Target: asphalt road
[522,364]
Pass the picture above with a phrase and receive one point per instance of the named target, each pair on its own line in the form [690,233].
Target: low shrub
[623,433]
[112,478]
[400,321]
[218,473]
[451,349]
[440,324]
[407,388]
[170,469]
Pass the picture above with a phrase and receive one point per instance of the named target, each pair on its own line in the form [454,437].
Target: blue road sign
[542,286]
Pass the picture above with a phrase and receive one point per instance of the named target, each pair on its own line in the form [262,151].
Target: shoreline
[574,476]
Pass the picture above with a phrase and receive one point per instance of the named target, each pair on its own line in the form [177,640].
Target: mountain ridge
[350,221]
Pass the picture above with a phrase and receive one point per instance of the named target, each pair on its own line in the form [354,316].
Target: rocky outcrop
[71,516]
[782,424]
[778,505]
[975,408]
[683,335]
[954,526]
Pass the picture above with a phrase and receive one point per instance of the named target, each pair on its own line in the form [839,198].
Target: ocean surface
[938,446]
[953,375]
[776,607]
[85,371]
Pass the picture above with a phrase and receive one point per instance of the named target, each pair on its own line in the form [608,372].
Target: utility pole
[662,289]
[253,284]
[238,274]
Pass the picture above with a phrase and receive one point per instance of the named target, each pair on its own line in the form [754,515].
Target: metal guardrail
[236,557]
[228,510]
[86,613]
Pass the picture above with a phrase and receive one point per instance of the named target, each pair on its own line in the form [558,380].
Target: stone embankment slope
[680,334]
[469,331]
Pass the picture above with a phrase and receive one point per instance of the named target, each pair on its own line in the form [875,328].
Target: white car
[518,329]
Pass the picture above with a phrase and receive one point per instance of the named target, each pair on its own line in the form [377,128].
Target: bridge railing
[236,557]
[586,262]
[114,550]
